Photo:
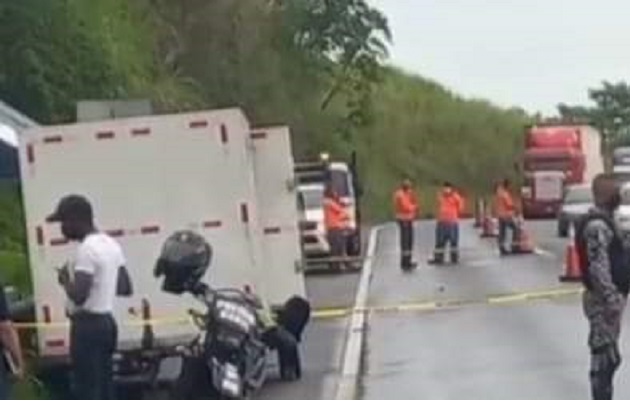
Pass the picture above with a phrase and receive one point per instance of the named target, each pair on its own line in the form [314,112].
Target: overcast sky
[528,53]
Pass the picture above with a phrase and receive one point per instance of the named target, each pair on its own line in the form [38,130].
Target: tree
[611,112]
[349,39]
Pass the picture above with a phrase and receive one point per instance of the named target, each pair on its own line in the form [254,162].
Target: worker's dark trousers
[446,233]
[5,383]
[504,225]
[604,363]
[93,339]
[337,242]
[406,243]
[285,343]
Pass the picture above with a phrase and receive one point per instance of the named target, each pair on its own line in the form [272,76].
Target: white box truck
[148,177]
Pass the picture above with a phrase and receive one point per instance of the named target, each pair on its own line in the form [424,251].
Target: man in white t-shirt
[90,283]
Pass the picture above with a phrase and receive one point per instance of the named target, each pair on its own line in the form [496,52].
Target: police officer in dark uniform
[606,278]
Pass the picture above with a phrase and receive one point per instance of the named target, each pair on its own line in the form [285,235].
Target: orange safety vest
[405,204]
[504,204]
[335,215]
[450,206]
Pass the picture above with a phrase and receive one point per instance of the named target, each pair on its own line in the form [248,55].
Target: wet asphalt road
[323,341]
[532,349]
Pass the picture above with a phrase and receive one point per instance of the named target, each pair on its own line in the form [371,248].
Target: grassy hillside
[433,135]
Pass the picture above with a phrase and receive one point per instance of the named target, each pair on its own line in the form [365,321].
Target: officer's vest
[617,254]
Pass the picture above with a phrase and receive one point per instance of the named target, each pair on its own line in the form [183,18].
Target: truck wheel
[353,245]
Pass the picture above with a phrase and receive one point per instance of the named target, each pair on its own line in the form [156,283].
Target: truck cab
[556,156]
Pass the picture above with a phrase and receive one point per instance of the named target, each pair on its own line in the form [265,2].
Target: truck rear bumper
[541,208]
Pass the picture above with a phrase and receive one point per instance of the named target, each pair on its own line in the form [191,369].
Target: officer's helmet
[183,262]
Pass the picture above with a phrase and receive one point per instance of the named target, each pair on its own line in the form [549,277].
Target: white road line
[545,253]
[351,362]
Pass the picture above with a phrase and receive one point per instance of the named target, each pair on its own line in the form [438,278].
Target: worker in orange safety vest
[506,211]
[406,209]
[450,208]
[336,220]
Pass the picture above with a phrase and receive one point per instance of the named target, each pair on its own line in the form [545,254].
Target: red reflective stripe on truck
[150,230]
[244,213]
[46,313]
[140,131]
[58,242]
[224,133]
[56,343]
[198,124]
[115,233]
[212,224]
[258,135]
[272,230]
[30,153]
[105,135]
[53,139]
[39,233]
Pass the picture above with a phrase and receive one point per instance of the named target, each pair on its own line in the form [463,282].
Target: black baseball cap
[71,207]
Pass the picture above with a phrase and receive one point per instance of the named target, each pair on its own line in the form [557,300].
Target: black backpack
[618,255]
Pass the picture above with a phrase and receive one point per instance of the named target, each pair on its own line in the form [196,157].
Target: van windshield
[340,183]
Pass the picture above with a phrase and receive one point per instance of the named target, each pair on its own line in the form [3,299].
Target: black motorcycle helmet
[184,260]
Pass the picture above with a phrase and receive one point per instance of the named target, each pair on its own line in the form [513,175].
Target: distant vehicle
[343,179]
[621,159]
[556,156]
[577,201]
[312,228]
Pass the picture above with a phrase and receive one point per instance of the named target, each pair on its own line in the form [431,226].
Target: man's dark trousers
[93,339]
[446,233]
[506,223]
[406,243]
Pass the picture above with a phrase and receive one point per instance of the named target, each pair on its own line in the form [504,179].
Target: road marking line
[347,388]
[507,299]
[543,252]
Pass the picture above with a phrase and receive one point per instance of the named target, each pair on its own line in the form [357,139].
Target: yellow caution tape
[335,313]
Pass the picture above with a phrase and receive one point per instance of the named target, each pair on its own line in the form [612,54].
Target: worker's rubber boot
[438,259]
[409,266]
[406,263]
[454,257]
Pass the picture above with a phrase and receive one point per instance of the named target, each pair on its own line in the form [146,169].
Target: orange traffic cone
[489,229]
[572,270]
[523,242]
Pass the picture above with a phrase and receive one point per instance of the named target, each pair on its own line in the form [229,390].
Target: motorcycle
[227,361]
[228,358]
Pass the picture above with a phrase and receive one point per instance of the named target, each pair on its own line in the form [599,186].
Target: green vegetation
[610,113]
[12,252]
[315,65]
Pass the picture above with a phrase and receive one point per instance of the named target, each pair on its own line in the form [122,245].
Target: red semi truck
[557,155]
